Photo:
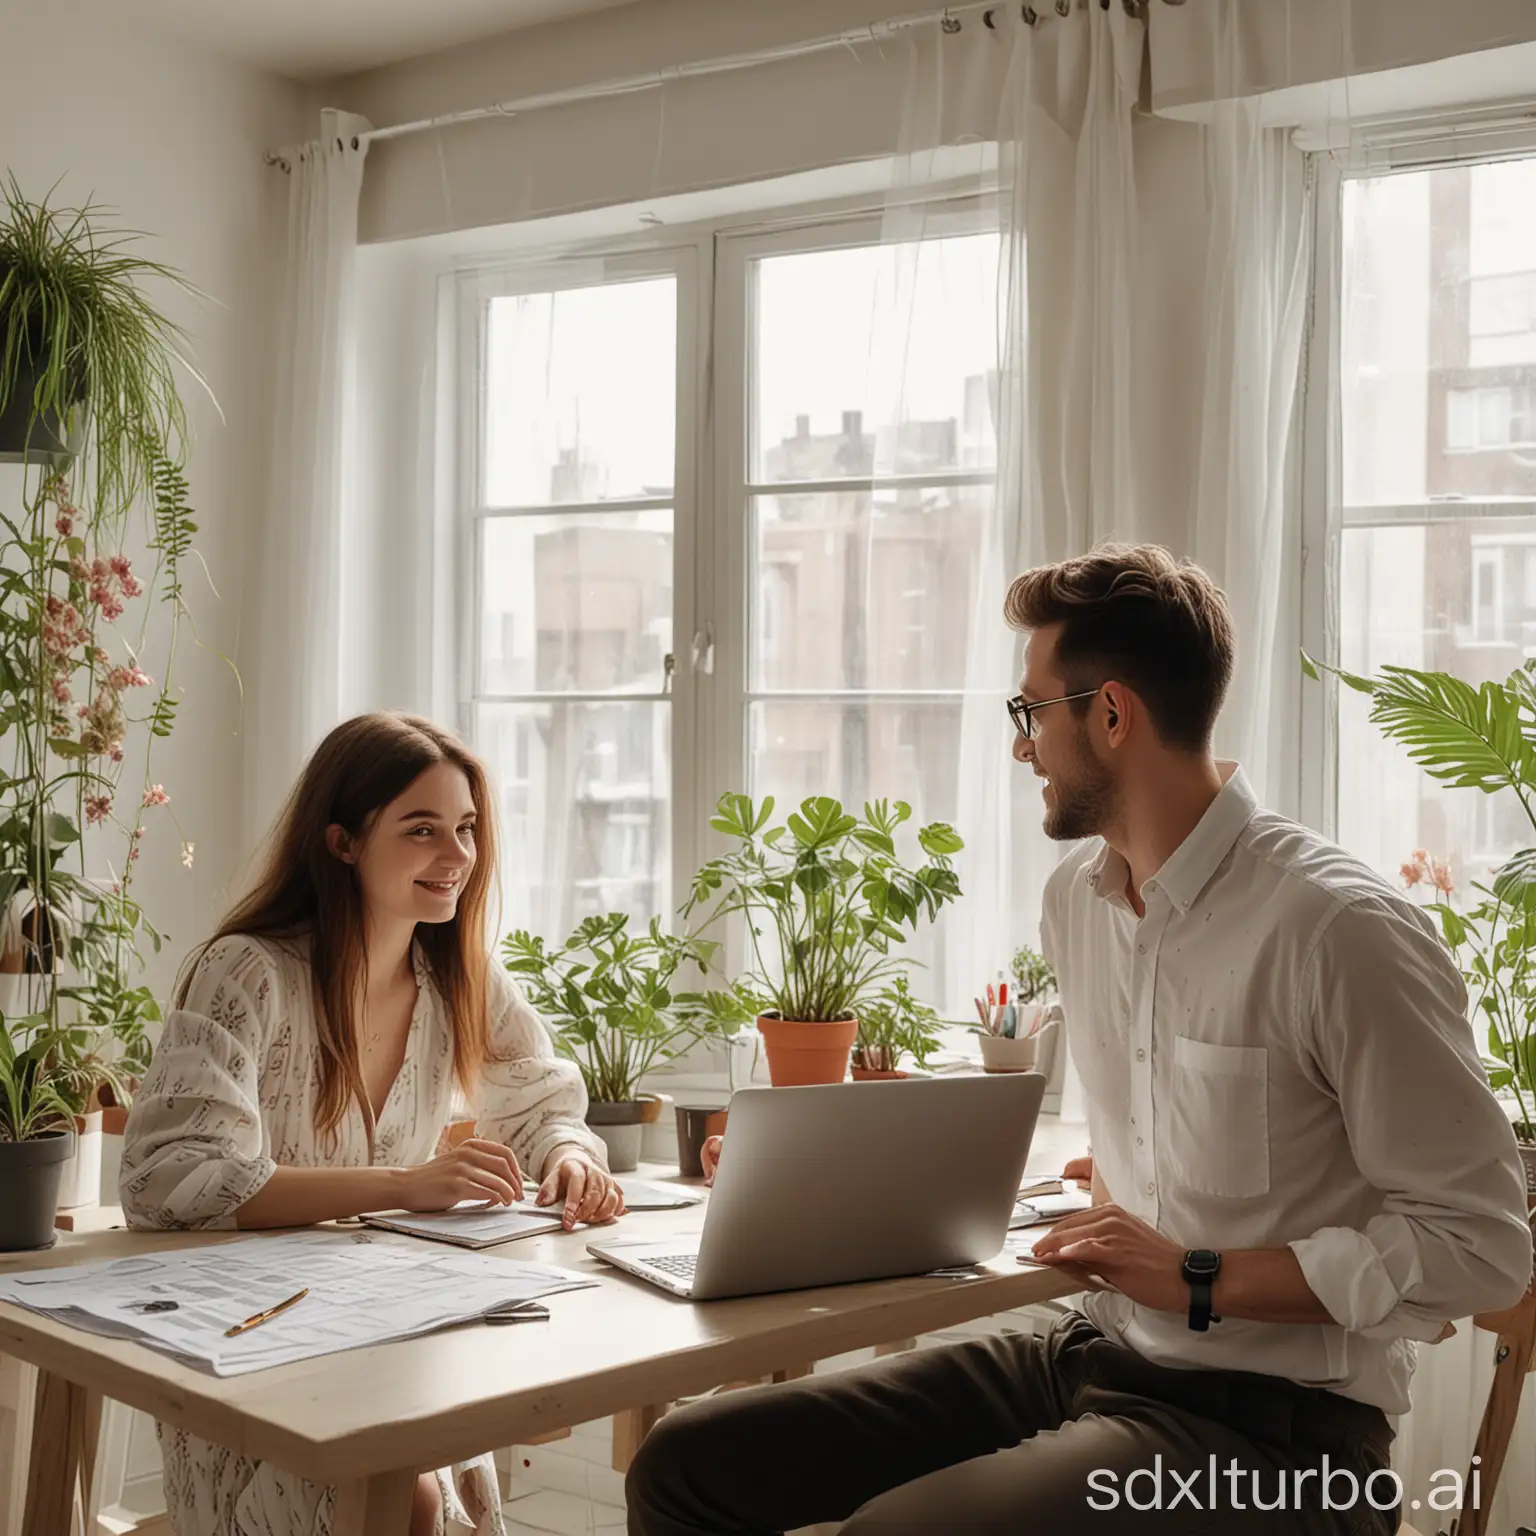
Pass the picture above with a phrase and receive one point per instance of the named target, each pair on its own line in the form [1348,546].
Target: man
[1299,1168]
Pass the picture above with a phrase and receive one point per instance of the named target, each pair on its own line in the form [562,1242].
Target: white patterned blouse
[231,1094]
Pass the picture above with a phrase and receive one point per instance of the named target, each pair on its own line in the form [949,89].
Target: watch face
[1202,1261]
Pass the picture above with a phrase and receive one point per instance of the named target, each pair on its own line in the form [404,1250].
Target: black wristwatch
[1200,1268]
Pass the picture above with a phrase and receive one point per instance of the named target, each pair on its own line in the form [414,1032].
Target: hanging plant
[90,410]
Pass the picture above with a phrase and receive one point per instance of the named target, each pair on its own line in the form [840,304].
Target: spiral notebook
[474,1224]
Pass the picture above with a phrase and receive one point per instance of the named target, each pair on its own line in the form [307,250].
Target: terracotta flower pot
[874,1064]
[801,1053]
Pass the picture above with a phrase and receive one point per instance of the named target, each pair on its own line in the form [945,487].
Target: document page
[363,1288]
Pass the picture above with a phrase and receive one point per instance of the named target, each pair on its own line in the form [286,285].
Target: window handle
[704,650]
[668,667]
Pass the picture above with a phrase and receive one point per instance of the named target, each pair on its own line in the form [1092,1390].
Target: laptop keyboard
[679,1265]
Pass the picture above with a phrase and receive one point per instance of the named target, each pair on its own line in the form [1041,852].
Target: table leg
[631,1427]
[66,1423]
[375,1506]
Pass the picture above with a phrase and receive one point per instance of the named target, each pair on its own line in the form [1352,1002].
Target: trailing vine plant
[88,365]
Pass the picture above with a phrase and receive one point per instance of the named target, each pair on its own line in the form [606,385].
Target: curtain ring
[987,22]
[949,25]
[1063,7]
[1031,16]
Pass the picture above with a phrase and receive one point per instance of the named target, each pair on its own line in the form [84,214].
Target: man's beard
[1080,807]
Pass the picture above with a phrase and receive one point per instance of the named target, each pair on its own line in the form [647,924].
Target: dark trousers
[1063,1432]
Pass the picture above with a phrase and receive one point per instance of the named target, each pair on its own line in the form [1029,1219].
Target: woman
[309,1070]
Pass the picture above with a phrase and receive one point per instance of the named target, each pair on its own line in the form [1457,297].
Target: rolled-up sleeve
[194,1150]
[1382,1015]
[530,1099]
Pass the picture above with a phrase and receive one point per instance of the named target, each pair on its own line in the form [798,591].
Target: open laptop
[853,1181]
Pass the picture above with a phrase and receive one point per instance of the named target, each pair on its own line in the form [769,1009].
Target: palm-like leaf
[1473,738]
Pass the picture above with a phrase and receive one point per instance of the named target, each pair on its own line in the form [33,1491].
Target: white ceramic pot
[80,1183]
[1027,1053]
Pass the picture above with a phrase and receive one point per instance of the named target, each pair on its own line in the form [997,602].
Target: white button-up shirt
[1278,1055]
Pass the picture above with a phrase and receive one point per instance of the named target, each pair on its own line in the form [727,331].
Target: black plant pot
[29,1189]
[26,437]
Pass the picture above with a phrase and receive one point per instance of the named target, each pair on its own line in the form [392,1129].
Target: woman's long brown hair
[304,892]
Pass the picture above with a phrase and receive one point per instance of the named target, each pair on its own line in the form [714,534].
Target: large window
[573,464]
[802,627]
[865,508]
[1438,414]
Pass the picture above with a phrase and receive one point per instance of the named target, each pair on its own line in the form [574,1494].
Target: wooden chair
[1514,1355]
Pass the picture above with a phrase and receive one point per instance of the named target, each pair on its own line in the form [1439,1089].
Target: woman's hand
[709,1155]
[473,1170]
[1079,1168]
[591,1193]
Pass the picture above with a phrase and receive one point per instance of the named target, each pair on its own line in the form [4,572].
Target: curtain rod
[949,20]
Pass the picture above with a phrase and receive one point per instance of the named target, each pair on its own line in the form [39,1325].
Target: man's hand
[1124,1251]
[1079,1168]
[590,1193]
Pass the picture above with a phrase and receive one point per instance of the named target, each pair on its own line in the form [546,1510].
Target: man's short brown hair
[1131,613]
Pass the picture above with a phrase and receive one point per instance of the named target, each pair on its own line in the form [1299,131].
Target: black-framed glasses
[1022,713]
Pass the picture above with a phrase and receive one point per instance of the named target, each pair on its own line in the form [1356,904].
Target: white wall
[172,139]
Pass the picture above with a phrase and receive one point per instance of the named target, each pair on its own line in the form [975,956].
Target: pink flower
[186,855]
[1412,872]
[116,754]
[97,808]
[138,832]
[155,795]
[120,566]
[128,677]
[1441,875]
[61,692]
[79,569]
[65,524]
[132,586]
[133,853]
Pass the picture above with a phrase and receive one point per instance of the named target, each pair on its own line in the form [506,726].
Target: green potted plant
[893,1027]
[39,1091]
[90,412]
[1478,737]
[612,1002]
[824,897]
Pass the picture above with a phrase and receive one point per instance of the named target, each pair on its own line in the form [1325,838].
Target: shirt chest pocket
[1219,1118]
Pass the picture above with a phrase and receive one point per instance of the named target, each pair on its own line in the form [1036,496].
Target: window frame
[1422,142]
[738,251]
[477,287]
[713,607]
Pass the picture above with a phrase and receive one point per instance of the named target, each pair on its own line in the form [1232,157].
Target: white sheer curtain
[291,652]
[1033,119]
[1261,272]
[1247,518]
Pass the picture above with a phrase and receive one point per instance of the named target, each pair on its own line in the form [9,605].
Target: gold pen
[261,1317]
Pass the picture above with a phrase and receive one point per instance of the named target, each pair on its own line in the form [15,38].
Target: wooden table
[370,1420]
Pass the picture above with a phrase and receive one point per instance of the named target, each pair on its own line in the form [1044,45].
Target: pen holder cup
[695,1124]
[1028,1053]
